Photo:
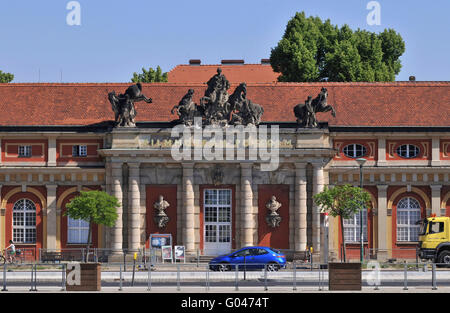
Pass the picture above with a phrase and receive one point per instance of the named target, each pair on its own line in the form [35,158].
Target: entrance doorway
[217,221]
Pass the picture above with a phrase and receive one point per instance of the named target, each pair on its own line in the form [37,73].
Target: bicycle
[11,259]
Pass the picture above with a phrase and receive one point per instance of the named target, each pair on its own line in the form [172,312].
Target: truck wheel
[444,258]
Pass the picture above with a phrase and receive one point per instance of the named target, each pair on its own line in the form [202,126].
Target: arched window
[408,151]
[352,228]
[77,231]
[354,150]
[24,221]
[408,213]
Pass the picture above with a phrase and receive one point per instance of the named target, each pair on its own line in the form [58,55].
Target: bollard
[134,269]
[198,257]
[4,278]
[295,275]
[433,276]
[320,278]
[265,277]
[149,277]
[33,278]
[120,279]
[178,277]
[405,266]
[207,279]
[63,278]
[236,278]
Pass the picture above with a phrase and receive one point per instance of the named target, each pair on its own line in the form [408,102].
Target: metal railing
[249,277]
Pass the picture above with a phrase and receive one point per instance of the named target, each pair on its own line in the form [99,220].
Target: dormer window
[79,150]
[355,151]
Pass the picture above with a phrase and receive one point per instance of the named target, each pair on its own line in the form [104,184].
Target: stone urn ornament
[273,219]
[161,219]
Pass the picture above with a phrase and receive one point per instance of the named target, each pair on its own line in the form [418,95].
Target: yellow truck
[434,240]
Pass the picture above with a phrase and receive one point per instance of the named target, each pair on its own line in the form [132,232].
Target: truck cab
[434,240]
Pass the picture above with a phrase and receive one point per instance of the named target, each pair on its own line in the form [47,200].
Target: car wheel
[273,267]
[444,259]
[223,267]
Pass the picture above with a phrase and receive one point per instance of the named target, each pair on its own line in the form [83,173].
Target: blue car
[250,258]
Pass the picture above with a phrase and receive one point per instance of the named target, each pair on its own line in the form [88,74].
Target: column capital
[246,165]
[134,164]
[436,187]
[51,187]
[188,165]
[382,187]
[300,165]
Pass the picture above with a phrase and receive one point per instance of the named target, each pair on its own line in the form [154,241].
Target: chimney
[232,62]
[265,61]
[412,78]
[195,62]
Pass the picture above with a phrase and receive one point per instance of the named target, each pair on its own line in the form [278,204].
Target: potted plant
[343,202]
[94,207]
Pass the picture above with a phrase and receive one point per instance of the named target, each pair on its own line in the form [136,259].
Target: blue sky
[117,38]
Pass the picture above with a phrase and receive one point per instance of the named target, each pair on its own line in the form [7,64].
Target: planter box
[90,278]
[344,276]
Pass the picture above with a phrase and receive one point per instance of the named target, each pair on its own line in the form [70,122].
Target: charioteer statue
[306,112]
[217,107]
[123,105]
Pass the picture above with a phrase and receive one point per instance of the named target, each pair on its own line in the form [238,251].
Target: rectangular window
[352,228]
[79,150]
[24,151]
[77,231]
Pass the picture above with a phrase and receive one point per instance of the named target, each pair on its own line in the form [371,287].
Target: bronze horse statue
[306,112]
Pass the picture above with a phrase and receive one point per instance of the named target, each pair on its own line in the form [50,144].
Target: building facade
[58,139]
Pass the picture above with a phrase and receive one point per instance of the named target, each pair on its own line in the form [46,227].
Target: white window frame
[353,150]
[410,224]
[25,151]
[79,228]
[353,227]
[22,207]
[220,230]
[79,150]
[408,151]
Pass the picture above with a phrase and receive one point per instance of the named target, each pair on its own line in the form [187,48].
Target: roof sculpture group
[216,107]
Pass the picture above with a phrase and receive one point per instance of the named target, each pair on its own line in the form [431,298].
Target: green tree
[94,207]
[343,202]
[6,77]
[312,50]
[150,76]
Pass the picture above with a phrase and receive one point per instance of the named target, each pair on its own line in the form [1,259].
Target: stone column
[116,236]
[134,197]
[300,209]
[381,152]
[382,253]
[317,188]
[51,216]
[188,207]
[435,152]
[51,151]
[436,199]
[247,224]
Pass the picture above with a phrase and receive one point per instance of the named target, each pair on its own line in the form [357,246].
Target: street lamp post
[361,162]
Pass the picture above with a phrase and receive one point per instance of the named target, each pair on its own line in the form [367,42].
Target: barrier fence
[251,277]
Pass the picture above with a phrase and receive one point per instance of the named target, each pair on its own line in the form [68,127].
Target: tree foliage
[94,207]
[312,50]
[150,76]
[6,77]
[343,202]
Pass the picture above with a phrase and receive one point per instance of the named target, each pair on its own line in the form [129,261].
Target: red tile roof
[357,104]
[250,73]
